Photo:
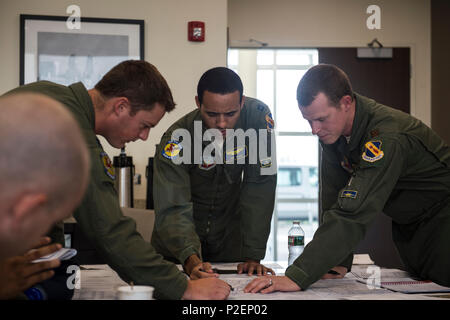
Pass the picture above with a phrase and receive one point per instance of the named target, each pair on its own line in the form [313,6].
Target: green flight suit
[394,164]
[220,211]
[99,216]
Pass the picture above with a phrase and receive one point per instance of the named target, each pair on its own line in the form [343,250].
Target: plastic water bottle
[296,241]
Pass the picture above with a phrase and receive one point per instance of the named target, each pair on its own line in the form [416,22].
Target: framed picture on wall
[50,49]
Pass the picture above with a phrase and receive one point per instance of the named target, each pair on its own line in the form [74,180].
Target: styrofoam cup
[135,293]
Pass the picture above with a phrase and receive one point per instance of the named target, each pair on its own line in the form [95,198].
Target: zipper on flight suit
[350,181]
[219,169]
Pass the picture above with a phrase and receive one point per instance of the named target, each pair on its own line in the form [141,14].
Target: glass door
[272,76]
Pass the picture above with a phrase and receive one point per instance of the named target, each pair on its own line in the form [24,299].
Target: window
[289,177]
[272,76]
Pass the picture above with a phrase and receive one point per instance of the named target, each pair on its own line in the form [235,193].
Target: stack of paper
[408,285]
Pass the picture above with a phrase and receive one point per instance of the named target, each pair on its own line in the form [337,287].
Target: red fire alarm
[196,31]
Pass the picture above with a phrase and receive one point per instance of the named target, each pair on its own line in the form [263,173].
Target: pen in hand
[215,270]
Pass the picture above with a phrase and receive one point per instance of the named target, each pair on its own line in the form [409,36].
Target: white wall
[181,62]
[341,23]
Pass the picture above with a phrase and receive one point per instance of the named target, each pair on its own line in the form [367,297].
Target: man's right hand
[207,289]
[17,274]
[196,269]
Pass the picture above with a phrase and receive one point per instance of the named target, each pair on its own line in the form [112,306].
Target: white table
[99,282]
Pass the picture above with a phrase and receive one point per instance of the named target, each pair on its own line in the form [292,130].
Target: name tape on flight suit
[237,153]
[349,194]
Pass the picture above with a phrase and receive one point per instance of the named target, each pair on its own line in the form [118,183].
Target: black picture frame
[49,49]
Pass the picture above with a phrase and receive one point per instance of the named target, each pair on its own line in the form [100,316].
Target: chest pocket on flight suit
[364,177]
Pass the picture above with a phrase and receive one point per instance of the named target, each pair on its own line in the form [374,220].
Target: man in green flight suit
[124,105]
[375,159]
[218,206]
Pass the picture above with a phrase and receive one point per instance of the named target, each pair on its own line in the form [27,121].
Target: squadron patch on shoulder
[171,150]
[349,194]
[373,151]
[270,122]
[109,169]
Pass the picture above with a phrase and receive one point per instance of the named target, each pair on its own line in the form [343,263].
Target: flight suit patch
[109,169]
[260,107]
[207,164]
[237,153]
[266,163]
[270,122]
[171,149]
[373,151]
[349,194]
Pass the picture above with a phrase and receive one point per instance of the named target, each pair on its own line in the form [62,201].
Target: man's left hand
[251,266]
[19,273]
[270,284]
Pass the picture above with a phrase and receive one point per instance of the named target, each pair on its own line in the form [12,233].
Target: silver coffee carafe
[124,168]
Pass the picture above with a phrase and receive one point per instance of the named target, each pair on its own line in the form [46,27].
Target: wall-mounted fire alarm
[196,31]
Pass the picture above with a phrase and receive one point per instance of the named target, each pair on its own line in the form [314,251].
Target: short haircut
[325,78]
[219,80]
[140,82]
[42,147]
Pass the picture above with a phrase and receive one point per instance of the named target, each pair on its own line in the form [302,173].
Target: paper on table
[61,254]
[98,282]
[389,296]
[365,272]
[238,282]
[233,265]
[408,285]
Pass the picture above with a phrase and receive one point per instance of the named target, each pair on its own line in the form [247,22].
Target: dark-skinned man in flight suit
[213,210]
[375,159]
[122,107]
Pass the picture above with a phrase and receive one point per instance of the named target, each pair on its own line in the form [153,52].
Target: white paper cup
[135,293]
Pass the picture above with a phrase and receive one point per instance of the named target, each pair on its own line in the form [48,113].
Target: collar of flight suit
[359,129]
[360,123]
[85,101]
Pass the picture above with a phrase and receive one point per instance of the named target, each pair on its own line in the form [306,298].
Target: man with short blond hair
[44,169]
